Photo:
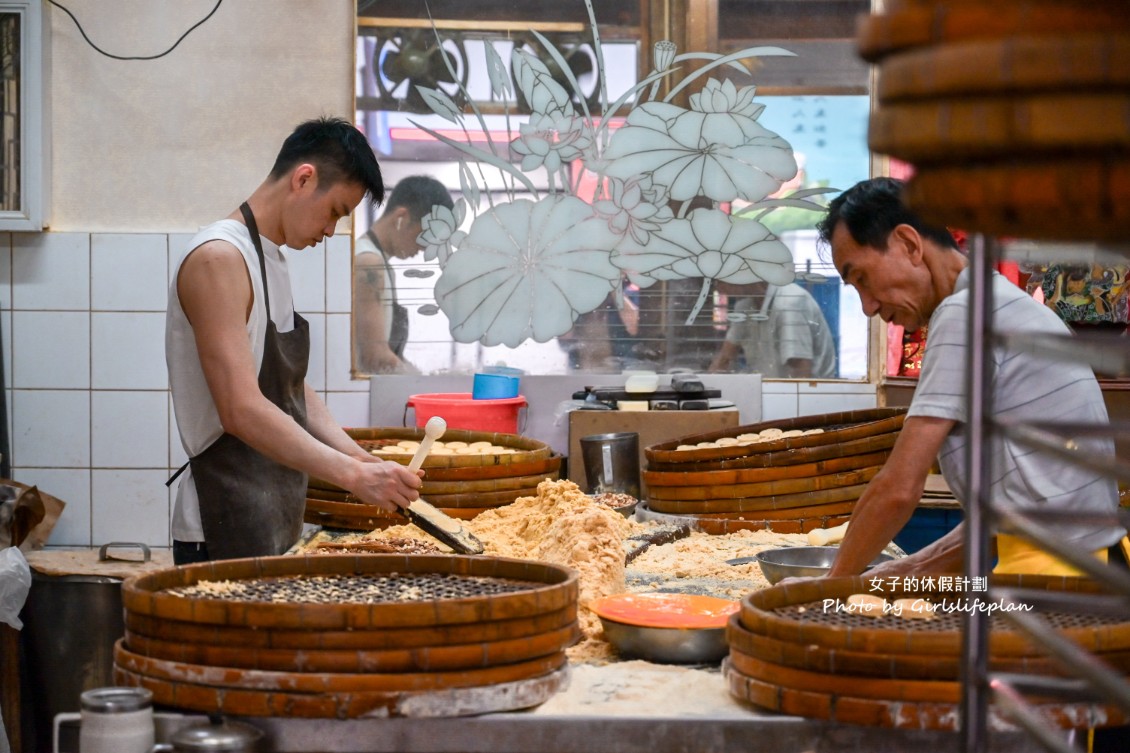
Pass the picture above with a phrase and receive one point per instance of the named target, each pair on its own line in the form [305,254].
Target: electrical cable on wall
[136,57]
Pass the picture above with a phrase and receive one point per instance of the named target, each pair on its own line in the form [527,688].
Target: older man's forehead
[842,245]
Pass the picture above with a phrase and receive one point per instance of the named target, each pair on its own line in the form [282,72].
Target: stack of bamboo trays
[342,636]
[727,480]
[794,650]
[1015,114]
[462,486]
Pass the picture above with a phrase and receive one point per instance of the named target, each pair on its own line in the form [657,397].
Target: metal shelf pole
[975,650]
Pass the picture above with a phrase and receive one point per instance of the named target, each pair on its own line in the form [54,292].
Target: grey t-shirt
[787,324]
[1026,387]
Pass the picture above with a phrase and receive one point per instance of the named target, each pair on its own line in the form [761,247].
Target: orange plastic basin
[665,610]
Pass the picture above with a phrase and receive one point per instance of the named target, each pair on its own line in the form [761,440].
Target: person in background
[380,322]
[780,330]
[913,274]
[237,354]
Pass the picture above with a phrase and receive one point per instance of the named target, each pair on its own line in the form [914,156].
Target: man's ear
[909,240]
[305,176]
[401,217]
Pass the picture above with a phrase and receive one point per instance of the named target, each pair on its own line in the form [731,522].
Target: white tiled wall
[781,400]
[82,319]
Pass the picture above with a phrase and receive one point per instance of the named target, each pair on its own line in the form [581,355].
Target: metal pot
[216,737]
[70,625]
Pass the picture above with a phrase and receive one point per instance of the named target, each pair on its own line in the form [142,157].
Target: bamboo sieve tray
[960,129]
[751,506]
[450,658]
[929,24]
[447,702]
[329,682]
[762,475]
[373,639]
[720,524]
[1006,66]
[846,709]
[845,433]
[1072,198]
[817,658]
[765,489]
[539,588]
[795,613]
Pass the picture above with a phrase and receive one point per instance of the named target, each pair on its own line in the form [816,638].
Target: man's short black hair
[418,193]
[338,150]
[871,209]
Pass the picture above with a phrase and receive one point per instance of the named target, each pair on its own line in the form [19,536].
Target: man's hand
[386,484]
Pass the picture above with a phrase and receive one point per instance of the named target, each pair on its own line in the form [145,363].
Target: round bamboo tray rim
[1015,64]
[507,696]
[328,682]
[910,27]
[552,587]
[817,658]
[530,449]
[760,614]
[899,714]
[473,473]
[754,504]
[720,525]
[764,489]
[838,427]
[384,638]
[447,658]
[1055,197]
[655,478]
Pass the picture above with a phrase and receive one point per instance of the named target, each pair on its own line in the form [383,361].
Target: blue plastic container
[927,525]
[494,387]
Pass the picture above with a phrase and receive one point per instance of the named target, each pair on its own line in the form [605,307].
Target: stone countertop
[621,707]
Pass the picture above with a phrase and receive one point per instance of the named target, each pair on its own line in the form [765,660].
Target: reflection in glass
[586,243]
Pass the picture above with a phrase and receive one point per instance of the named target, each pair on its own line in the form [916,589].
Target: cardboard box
[652,426]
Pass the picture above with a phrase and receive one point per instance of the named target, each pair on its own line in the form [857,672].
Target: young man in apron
[237,355]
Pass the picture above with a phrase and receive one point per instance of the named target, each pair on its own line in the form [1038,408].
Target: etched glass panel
[610,204]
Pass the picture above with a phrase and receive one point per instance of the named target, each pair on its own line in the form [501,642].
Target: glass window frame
[34,117]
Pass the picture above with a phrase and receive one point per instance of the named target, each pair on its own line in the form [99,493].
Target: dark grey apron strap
[252,228]
[178,473]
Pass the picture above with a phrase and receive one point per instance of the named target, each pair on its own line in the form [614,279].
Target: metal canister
[116,720]
[612,462]
[216,737]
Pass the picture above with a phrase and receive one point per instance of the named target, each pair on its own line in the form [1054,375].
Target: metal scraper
[445,528]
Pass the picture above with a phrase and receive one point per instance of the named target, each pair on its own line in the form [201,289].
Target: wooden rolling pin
[827,536]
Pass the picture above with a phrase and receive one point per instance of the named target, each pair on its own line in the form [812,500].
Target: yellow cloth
[1017,556]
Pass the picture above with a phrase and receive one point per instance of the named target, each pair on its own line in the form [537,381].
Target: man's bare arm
[893,495]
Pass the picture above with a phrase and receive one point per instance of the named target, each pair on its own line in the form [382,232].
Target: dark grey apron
[251,506]
[398,330]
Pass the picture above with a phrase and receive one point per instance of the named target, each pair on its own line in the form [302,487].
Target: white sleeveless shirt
[198,420]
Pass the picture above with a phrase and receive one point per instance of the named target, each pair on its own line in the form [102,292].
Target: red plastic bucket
[461,411]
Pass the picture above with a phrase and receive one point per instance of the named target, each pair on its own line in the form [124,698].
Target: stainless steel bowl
[626,510]
[668,645]
[802,561]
